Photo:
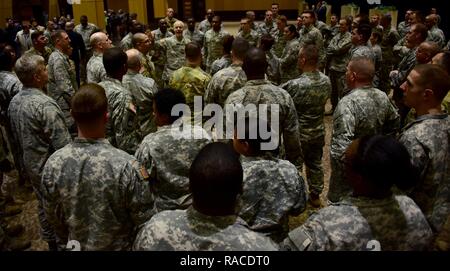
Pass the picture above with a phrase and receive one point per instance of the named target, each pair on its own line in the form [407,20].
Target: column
[6,11]
[93,9]
[160,7]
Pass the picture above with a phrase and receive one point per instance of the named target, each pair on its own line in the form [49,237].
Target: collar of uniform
[90,140]
[424,117]
[264,156]
[32,90]
[97,54]
[131,72]
[257,82]
[197,218]
[113,80]
[61,53]
[234,65]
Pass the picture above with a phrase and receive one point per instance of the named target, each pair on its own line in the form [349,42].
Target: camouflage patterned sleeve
[62,77]
[138,196]
[419,157]
[343,131]
[54,126]
[291,135]
[309,236]
[300,205]
[145,159]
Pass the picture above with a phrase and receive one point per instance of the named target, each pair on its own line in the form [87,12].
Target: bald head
[431,20]
[69,26]
[426,51]
[100,42]
[255,63]
[141,42]
[133,60]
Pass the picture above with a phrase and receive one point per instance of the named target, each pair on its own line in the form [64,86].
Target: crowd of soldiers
[113,168]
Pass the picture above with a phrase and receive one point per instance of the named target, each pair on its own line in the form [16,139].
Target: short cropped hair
[113,60]
[433,77]
[26,67]
[89,104]
[166,99]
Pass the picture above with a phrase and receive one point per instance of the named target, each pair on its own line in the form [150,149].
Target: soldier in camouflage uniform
[280,41]
[206,24]
[94,193]
[123,129]
[191,79]
[248,33]
[170,20]
[389,39]
[310,93]
[211,223]
[443,59]
[95,69]
[143,43]
[288,60]
[311,35]
[192,34]
[337,58]
[213,47]
[427,140]
[62,82]
[168,153]
[38,126]
[40,46]
[273,69]
[403,27]
[86,29]
[414,38]
[363,111]
[426,51]
[127,42]
[161,32]
[259,91]
[142,90]
[360,37]
[268,26]
[230,79]
[273,188]
[173,50]
[225,61]
[373,218]
[434,33]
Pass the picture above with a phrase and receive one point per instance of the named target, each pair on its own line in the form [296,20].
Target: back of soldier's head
[193,51]
[365,30]
[382,162]
[89,105]
[255,63]
[114,60]
[443,59]
[435,78]
[253,132]
[363,67]
[227,42]
[27,66]
[134,59]
[310,53]
[166,99]
[240,47]
[6,61]
[57,35]
[267,41]
[215,177]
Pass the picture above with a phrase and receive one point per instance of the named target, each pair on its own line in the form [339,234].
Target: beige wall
[5,11]
[118,4]
[93,9]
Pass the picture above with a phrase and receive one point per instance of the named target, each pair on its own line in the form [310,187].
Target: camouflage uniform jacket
[436,35]
[395,223]
[62,83]
[95,70]
[38,126]
[252,37]
[95,194]
[123,127]
[126,43]
[160,35]
[204,26]
[170,23]
[9,87]
[167,155]
[192,81]
[280,43]
[267,28]
[403,28]
[389,40]
[312,35]
[196,231]
[45,55]
[213,48]
[173,49]
[142,90]
[337,50]
[224,83]
[363,111]
[405,66]
[148,65]
[263,92]
[196,36]
[220,64]
[86,33]
[428,142]
[362,51]
[288,61]
[310,93]
[273,190]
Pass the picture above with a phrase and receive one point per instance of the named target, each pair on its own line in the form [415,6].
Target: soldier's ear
[106,116]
